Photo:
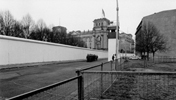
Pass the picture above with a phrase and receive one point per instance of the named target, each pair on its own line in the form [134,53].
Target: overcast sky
[79,14]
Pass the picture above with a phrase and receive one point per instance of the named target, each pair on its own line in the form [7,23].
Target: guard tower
[111,41]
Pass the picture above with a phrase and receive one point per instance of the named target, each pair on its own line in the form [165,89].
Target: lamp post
[134,46]
[117,36]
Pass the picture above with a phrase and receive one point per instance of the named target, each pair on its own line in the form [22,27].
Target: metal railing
[70,89]
[106,66]
[126,85]
[92,79]
[64,90]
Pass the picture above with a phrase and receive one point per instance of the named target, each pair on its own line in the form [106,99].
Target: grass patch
[142,87]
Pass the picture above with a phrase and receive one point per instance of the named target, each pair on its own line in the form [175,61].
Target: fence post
[111,65]
[101,82]
[80,86]
[102,67]
[115,64]
[111,70]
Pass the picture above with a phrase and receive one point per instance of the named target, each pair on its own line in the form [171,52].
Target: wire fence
[125,85]
[106,66]
[92,80]
[165,59]
[65,90]
[73,88]
[95,86]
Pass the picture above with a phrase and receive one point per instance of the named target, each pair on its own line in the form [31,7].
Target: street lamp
[117,36]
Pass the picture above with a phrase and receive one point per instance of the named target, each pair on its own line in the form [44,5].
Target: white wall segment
[18,51]
[111,48]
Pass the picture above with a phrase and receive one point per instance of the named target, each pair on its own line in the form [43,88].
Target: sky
[79,14]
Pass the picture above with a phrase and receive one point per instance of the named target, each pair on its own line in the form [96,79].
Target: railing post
[111,65]
[115,64]
[102,67]
[101,82]
[80,85]
[120,67]
[111,70]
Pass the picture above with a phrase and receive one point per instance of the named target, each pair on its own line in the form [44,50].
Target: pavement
[11,66]
[17,81]
[8,75]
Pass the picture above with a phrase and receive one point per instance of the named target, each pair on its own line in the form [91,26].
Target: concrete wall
[112,50]
[17,51]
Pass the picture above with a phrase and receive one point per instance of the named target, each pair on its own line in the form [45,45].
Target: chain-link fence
[165,59]
[65,90]
[75,88]
[106,66]
[123,85]
[95,86]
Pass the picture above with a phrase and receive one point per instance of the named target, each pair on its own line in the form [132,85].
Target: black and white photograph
[87,49]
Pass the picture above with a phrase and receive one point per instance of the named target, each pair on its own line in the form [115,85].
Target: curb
[18,66]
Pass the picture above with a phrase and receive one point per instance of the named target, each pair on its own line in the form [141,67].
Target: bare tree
[150,40]
[1,24]
[8,21]
[158,43]
[18,30]
[28,25]
[41,24]
[40,32]
[140,43]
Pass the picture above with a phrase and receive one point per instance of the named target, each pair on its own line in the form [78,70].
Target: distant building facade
[59,29]
[98,37]
[165,22]
[126,42]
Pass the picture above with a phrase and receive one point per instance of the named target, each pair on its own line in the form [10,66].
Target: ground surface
[20,80]
[171,67]
[144,87]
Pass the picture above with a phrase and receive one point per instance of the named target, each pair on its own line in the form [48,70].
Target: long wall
[18,51]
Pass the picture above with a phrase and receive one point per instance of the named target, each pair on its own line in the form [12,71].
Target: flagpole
[117,36]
